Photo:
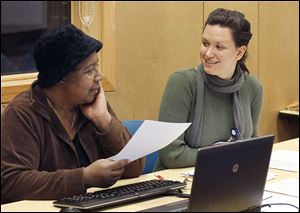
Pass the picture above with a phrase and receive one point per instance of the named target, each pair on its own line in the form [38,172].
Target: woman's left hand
[97,111]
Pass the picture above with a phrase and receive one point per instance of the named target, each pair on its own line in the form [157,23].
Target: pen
[159,177]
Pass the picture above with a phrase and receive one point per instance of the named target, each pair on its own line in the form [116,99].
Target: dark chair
[132,126]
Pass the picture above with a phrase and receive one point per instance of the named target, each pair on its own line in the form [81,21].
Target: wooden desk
[174,174]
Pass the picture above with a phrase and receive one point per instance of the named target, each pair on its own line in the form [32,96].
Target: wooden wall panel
[279,64]
[154,39]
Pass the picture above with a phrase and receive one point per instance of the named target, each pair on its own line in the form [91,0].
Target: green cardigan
[178,105]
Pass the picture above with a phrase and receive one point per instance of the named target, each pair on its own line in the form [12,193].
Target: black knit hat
[59,51]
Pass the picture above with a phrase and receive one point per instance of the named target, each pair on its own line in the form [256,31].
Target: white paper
[270,175]
[288,186]
[188,173]
[150,137]
[285,160]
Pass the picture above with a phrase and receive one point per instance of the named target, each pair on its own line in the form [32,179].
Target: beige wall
[154,39]
[279,64]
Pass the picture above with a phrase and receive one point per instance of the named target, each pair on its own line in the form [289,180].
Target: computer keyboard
[117,195]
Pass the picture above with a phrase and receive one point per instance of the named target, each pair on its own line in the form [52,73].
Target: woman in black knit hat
[56,136]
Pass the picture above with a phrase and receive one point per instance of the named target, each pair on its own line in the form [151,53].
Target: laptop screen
[231,177]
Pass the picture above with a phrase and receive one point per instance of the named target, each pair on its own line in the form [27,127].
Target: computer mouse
[69,209]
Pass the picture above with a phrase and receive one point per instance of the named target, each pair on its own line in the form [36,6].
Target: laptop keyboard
[117,195]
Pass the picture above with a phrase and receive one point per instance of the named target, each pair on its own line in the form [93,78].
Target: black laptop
[229,177]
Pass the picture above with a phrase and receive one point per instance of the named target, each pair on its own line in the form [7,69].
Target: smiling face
[218,51]
[82,85]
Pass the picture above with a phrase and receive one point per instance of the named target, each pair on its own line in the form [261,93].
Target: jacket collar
[39,104]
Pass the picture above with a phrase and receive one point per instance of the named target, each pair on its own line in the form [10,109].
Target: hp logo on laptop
[235,168]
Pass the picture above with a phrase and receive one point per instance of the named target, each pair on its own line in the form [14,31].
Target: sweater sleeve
[256,108]
[176,104]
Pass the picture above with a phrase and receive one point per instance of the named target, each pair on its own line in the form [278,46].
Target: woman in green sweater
[216,96]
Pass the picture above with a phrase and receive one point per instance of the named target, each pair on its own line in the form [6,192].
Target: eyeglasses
[91,71]
[88,73]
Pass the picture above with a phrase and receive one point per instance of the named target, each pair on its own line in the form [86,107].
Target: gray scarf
[218,85]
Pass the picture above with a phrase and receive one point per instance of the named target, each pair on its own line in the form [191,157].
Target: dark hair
[240,28]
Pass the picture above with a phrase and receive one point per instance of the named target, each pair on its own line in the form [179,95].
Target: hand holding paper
[150,137]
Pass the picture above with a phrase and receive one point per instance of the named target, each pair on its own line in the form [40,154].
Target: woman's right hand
[103,173]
